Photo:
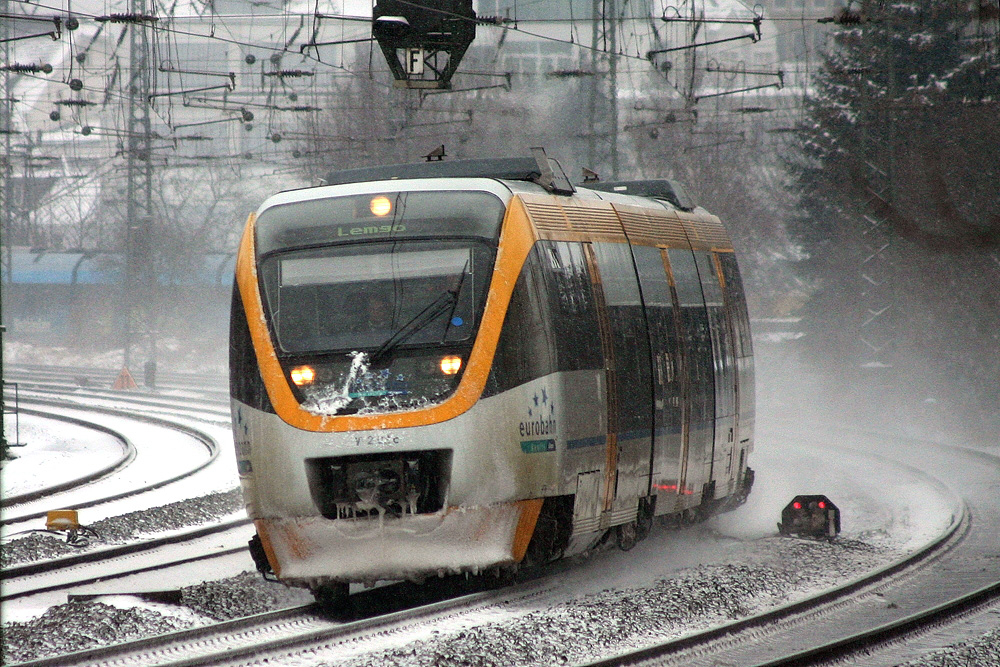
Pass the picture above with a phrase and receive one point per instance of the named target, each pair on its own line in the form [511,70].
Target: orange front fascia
[516,240]
[265,541]
[530,509]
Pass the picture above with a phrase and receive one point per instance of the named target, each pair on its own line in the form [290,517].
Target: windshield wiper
[431,312]
[454,303]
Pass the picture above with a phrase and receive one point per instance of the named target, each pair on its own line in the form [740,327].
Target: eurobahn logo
[541,421]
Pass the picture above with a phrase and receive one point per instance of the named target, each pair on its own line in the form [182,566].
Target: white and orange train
[465,366]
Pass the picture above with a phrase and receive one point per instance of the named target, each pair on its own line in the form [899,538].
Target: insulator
[289,73]
[127,18]
[26,69]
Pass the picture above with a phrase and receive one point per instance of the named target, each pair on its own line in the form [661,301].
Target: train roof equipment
[656,188]
[810,516]
[539,169]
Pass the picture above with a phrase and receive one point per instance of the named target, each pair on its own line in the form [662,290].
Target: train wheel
[627,535]
[333,597]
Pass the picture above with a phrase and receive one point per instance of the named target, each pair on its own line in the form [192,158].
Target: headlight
[451,364]
[303,375]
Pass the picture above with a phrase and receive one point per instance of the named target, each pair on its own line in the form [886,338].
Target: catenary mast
[139,268]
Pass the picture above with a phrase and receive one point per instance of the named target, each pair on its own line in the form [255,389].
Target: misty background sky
[861,185]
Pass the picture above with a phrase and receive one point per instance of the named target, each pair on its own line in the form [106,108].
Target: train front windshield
[374,300]
[368,297]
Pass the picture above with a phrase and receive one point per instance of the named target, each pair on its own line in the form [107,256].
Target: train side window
[525,350]
[655,286]
[709,279]
[569,287]
[245,382]
[657,297]
[696,334]
[686,278]
[736,302]
[617,274]
[629,338]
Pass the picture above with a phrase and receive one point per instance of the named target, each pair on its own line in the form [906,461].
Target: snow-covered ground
[50,452]
[674,583]
[671,584]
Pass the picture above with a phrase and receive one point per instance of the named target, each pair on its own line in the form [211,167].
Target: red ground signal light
[810,516]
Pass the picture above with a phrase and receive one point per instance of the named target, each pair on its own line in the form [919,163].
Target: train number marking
[376,440]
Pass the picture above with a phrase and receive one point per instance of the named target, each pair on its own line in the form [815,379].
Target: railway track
[888,605]
[135,475]
[303,630]
[150,427]
[73,376]
[928,589]
[119,462]
[120,562]
[283,634]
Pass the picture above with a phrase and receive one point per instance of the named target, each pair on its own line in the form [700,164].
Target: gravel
[80,625]
[773,571]
[981,652]
[77,626]
[757,575]
[126,527]
[242,595]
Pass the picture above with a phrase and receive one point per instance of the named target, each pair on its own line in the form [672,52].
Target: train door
[723,358]
[669,414]
[736,309]
[626,344]
[699,396]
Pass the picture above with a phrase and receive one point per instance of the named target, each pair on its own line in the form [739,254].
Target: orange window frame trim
[516,240]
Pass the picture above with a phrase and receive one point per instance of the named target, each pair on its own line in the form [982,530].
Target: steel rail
[128,455]
[208,441]
[69,389]
[138,548]
[296,629]
[222,637]
[15,572]
[947,540]
[84,371]
[657,653]
[737,643]
[890,633]
[158,404]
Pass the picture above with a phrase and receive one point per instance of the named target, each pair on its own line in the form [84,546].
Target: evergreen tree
[899,199]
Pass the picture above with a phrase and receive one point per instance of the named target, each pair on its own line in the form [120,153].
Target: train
[474,366]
